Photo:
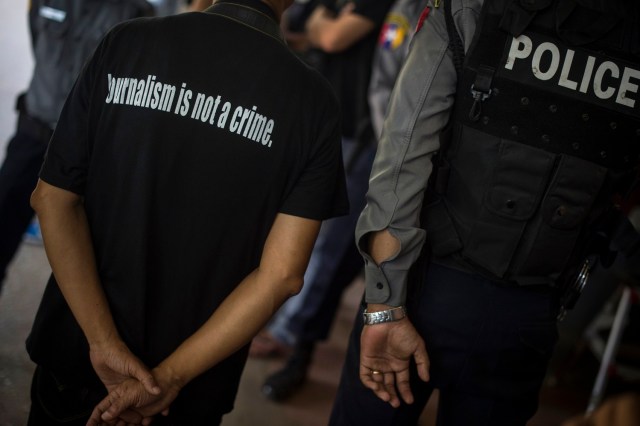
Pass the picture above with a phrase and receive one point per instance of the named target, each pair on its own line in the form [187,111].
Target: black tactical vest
[546,128]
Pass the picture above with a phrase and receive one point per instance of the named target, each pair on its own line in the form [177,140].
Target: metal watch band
[388,315]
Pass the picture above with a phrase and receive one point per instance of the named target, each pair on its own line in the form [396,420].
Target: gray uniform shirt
[420,106]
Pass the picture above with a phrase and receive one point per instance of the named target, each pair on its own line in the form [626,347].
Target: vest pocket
[553,233]
[511,200]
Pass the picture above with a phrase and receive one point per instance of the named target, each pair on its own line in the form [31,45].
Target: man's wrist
[169,376]
[374,315]
[105,337]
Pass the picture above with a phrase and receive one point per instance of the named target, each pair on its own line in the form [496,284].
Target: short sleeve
[67,157]
[320,191]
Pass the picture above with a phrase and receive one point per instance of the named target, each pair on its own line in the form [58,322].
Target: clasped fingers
[128,403]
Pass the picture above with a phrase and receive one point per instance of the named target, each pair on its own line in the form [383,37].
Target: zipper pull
[436,3]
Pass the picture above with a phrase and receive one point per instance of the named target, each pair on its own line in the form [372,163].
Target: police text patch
[586,75]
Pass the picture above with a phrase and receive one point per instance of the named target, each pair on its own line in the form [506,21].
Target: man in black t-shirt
[179,202]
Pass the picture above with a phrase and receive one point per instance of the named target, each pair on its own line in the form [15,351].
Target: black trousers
[57,401]
[488,345]
[18,178]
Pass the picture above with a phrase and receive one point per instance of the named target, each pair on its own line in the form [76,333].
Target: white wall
[16,63]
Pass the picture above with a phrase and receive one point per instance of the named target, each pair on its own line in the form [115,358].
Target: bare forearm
[198,5]
[243,313]
[68,245]
[335,34]
[317,25]
[382,246]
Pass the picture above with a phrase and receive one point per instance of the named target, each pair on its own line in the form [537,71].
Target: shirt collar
[254,4]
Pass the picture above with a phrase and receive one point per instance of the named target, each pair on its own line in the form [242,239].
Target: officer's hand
[385,353]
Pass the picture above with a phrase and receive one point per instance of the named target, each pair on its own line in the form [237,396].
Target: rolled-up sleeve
[420,107]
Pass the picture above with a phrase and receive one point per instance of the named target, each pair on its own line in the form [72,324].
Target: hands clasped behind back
[135,394]
[131,397]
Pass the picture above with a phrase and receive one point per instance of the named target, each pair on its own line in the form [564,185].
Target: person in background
[293,27]
[179,200]
[513,212]
[62,41]
[392,48]
[345,33]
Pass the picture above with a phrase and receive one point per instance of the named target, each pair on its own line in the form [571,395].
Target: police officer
[541,98]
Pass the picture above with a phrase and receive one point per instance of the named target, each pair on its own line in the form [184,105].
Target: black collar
[253,4]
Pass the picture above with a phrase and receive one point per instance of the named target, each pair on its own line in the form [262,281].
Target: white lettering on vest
[597,80]
[555,61]
[520,49]
[627,86]
[601,78]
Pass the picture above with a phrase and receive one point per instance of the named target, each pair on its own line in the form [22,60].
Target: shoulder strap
[455,43]
[248,16]
[440,175]
[482,86]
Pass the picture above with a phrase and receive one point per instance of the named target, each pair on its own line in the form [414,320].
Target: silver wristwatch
[388,315]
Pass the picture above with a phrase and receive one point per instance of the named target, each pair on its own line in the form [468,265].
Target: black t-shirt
[186,135]
[349,71]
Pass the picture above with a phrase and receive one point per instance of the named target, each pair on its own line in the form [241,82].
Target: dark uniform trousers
[18,178]
[488,344]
